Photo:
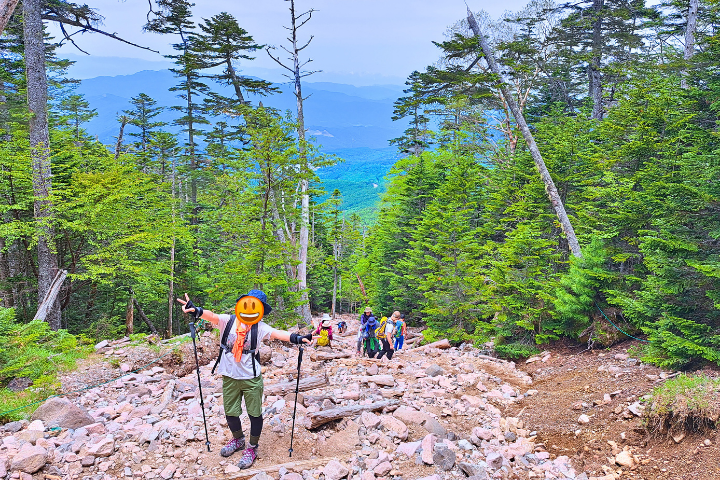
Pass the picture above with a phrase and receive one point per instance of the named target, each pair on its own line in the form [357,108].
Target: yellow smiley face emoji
[249,310]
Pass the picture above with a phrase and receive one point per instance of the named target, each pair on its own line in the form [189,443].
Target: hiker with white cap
[239,363]
[324,332]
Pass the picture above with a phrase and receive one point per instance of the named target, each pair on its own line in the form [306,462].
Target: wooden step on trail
[296,467]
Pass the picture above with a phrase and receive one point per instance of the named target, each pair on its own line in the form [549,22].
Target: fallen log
[310,399]
[297,467]
[315,420]
[322,356]
[50,296]
[384,380]
[283,388]
[443,344]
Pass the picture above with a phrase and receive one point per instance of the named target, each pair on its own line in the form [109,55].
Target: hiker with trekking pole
[239,365]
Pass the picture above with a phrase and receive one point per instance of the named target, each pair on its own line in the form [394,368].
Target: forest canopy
[621,98]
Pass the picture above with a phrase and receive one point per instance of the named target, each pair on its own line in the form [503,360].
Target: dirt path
[569,385]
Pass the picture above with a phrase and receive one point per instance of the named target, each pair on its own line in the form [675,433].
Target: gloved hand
[197,313]
[299,339]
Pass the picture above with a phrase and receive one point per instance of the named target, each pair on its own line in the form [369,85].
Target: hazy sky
[367,38]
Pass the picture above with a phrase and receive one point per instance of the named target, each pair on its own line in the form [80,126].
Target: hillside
[351,122]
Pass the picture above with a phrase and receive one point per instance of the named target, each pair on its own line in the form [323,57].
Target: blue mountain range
[351,122]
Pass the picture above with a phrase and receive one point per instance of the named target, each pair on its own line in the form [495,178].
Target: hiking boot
[248,457]
[233,446]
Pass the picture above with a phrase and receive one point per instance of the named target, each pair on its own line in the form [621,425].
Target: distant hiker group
[380,338]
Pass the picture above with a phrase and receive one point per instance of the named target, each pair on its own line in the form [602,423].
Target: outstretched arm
[284,336]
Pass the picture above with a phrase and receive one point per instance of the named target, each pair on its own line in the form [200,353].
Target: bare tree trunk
[118,145]
[550,188]
[690,30]
[142,315]
[6,294]
[40,153]
[7,7]
[594,78]
[172,290]
[129,317]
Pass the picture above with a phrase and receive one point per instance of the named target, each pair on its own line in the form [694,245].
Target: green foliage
[33,351]
[516,351]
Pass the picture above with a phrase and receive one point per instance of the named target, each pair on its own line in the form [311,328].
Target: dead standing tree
[297,73]
[550,188]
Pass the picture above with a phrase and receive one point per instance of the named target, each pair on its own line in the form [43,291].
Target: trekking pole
[297,390]
[193,332]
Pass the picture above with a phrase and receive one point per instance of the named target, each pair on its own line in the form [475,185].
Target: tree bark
[550,188]
[283,388]
[7,7]
[40,152]
[304,308]
[129,317]
[47,304]
[142,315]
[443,344]
[315,420]
[171,297]
[690,30]
[118,145]
[296,467]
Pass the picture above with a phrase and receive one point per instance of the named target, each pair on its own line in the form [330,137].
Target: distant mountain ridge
[345,115]
[351,122]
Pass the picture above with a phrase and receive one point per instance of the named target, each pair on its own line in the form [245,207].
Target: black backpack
[254,348]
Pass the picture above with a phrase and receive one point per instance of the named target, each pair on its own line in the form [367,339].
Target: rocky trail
[429,413]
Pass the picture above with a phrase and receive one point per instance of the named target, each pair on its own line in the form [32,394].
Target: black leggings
[256,425]
[386,349]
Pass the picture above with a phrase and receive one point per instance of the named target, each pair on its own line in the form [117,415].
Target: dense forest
[621,98]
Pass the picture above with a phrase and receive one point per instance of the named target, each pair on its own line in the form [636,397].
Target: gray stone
[87,461]
[444,458]
[13,427]
[62,412]
[140,391]
[434,370]
[474,470]
[434,427]
[510,436]
[494,460]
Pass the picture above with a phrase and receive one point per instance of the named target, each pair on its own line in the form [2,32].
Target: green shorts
[234,391]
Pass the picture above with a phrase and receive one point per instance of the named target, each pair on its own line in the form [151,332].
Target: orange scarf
[241,331]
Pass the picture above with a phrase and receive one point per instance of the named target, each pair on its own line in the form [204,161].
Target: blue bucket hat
[260,295]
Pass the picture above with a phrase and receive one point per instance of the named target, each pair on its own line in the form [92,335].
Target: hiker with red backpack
[239,363]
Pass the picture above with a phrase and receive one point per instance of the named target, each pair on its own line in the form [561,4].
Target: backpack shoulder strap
[223,341]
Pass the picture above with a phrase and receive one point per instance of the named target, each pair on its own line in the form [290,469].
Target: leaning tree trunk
[7,7]
[550,188]
[40,152]
[690,30]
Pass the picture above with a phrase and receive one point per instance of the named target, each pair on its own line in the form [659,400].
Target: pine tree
[77,111]
[141,117]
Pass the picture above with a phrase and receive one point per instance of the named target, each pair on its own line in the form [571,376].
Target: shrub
[686,403]
[35,352]
[516,351]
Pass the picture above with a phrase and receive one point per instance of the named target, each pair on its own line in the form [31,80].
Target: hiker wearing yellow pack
[239,363]
[324,332]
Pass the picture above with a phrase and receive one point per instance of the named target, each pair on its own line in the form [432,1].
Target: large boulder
[62,412]
[29,459]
